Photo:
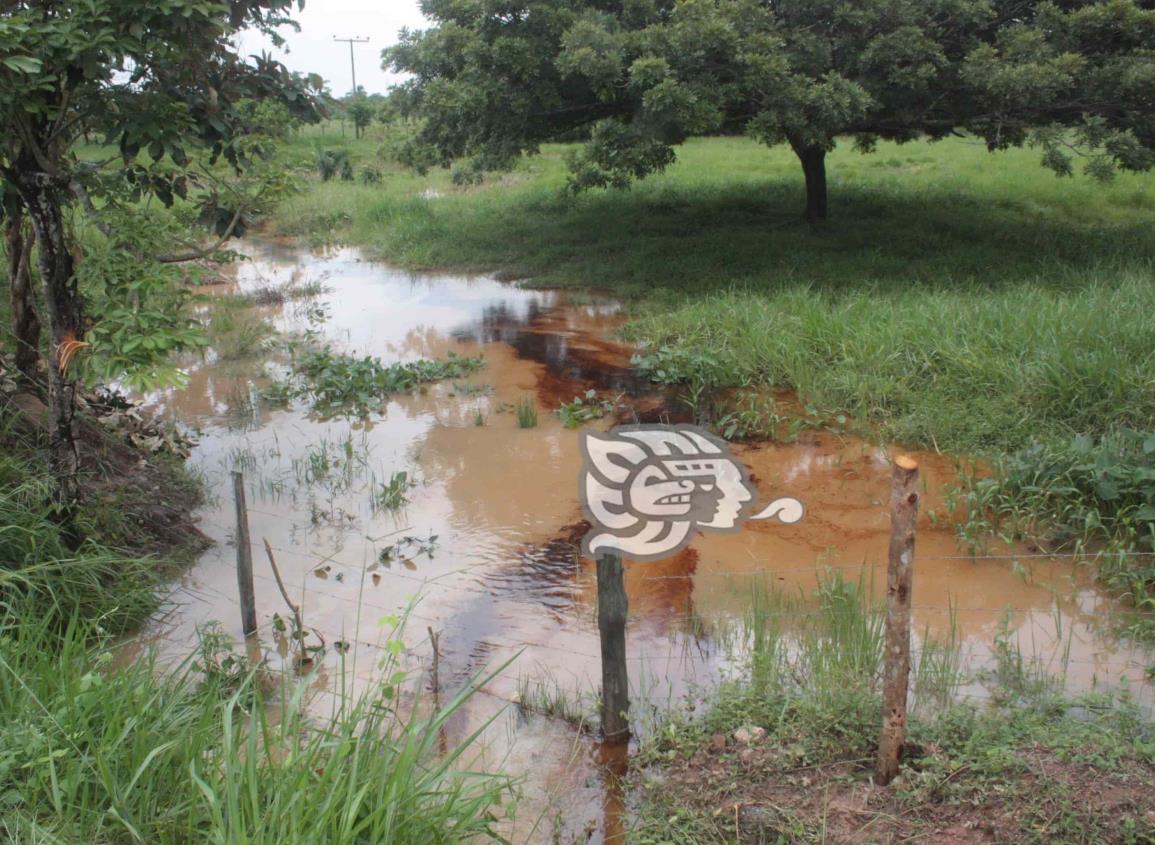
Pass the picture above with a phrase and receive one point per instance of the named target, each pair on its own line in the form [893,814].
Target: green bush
[332,163]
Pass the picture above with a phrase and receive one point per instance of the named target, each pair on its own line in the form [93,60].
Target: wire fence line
[1088,556]
[811,568]
[440,581]
[977,665]
[408,614]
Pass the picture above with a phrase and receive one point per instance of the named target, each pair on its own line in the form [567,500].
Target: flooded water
[486,543]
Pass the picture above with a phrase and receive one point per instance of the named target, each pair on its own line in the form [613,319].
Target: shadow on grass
[697,238]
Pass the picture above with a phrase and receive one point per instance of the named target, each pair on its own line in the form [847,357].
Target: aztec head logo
[645,488]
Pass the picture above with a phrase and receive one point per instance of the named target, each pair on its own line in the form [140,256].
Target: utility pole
[352,63]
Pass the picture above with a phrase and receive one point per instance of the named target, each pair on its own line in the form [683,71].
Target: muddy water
[502,581]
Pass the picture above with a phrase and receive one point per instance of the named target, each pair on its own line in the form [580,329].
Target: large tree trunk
[25,321]
[813,160]
[41,195]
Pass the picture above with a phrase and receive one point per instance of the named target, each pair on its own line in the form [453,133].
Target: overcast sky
[313,50]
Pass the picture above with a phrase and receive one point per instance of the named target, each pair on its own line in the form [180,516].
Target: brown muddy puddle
[503,580]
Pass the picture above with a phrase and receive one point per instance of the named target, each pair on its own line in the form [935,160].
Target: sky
[313,50]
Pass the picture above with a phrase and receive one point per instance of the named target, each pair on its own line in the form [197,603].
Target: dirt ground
[731,791]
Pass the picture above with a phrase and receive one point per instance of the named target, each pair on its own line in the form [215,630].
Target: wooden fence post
[244,559]
[612,609]
[896,669]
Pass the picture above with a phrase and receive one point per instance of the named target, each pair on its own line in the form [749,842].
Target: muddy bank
[137,495]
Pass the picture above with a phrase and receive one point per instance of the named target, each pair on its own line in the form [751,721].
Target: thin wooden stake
[613,606]
[244,559]
[896,670]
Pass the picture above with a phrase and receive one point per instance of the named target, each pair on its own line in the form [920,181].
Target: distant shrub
[332,163]
[268,117]
[462,176]
[371,175]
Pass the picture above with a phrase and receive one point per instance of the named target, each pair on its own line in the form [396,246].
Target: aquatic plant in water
[339,384]
[585,409]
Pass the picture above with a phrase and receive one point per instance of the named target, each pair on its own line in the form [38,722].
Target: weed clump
[339,384]
[334,162]
[1093,496]
[584,409]
[526,411]
[393,494]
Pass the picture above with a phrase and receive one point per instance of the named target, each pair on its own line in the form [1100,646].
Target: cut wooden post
[244,559]
[896,657]
[612,609]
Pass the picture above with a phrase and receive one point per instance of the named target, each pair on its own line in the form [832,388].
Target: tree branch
[93,213]
[194,255]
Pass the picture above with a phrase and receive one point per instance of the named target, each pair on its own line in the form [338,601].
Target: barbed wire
[968,668]
[439,581]
[935,651]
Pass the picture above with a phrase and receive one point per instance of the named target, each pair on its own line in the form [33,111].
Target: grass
[1094,496]
[204,753]
[526,412]
[727,213]
[39,572]
[784,751]
[957,298]
[276,294]
[953,367]
[546,696]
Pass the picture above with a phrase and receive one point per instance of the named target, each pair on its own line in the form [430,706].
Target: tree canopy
[158,79]
[494,79]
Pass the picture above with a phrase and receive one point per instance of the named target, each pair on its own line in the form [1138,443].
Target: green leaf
[22,64]
[1107,489]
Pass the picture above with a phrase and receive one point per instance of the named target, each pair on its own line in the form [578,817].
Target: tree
[18,244]
[361,113]
[496,78]
[159,77]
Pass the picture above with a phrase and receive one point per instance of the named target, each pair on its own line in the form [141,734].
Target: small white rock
[748,735]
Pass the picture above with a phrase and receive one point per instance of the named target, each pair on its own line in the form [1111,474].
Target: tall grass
[42,577]
[809,668]
[138,753]
[967,370]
